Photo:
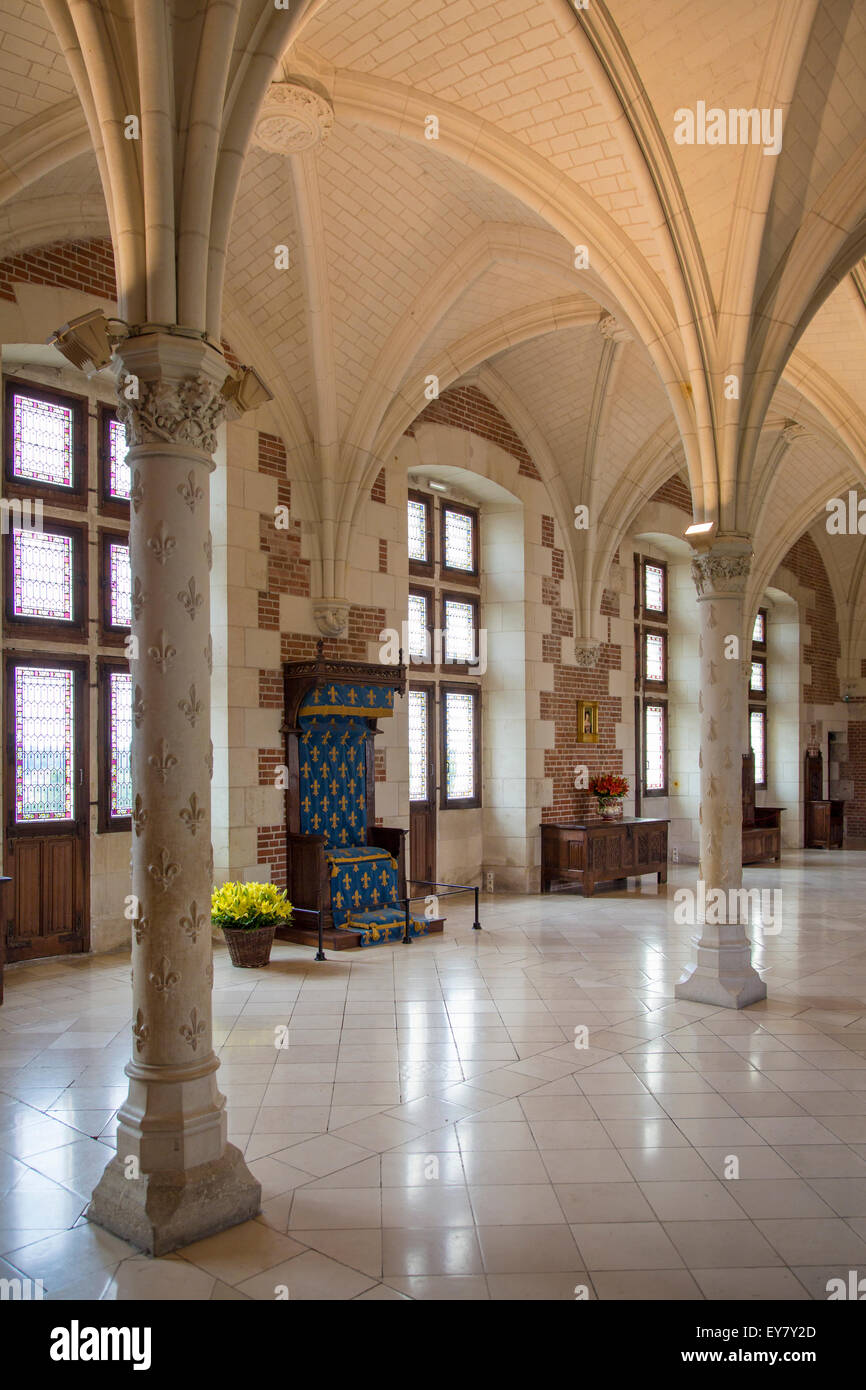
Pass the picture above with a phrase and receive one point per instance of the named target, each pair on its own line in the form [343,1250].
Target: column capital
[586,653]
[169,390]
[722,570]
[331,616]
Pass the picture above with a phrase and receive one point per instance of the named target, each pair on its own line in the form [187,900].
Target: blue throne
[338,861]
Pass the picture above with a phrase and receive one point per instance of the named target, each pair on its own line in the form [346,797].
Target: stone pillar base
[160,1212]
[703,985]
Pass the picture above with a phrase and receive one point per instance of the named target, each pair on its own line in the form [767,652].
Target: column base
[700,986]
[160,1212]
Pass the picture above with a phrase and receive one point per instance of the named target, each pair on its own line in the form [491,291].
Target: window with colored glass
[119,585]
[654,586]
[758,679]
[119,744]
[655,738]
[460,735]
[458,543]
[459,632]
[42,575]
[44,743]
[419,745]
[419,628]
[43,440]
[655,657]
[418,531]
[758,740]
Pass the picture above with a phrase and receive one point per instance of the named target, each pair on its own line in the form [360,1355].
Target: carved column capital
[332,616]
[586,653]
[612,330]
[723,569]
[169,390]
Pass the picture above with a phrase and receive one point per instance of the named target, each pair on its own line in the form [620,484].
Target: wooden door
[46,798]
[422,783]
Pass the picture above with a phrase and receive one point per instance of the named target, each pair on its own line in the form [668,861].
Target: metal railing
[454,889]
[313,912]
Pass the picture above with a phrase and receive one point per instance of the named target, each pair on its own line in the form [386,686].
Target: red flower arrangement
[608,784]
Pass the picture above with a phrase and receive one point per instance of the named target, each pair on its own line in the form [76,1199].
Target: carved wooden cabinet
[824,819]
[598,851]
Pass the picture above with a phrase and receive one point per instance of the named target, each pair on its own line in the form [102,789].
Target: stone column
[175,1179]
[723,973]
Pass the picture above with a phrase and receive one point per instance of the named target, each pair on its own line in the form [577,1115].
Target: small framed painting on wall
[587,721]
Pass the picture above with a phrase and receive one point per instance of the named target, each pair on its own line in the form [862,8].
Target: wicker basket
[250,947]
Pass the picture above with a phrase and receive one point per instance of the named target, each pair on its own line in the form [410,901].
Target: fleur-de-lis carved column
[723,973]
[175,1179]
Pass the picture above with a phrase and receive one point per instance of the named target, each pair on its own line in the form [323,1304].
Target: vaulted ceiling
[411,256]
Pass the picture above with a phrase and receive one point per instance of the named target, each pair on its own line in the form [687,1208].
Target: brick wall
[467,408]
[72,265]
[855,811]
[804,561]
[676,492]
[570,685]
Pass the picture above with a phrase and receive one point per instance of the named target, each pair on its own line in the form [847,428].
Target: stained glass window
[119,480]
[42,575]
[419,634]
[654,588]
[459,547]
[42,441]
[459,745]
[418,531]
[655,656]
[459,632]
[759,678]
[654,748]
[119,585]
[758,740]
[419,744]
[759,631]
[120,743]
[44,728]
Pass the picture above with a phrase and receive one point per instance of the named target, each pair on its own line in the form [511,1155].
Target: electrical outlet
[675,855]
[488,882]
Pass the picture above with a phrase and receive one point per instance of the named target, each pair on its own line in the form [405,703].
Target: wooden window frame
[108,505]
[459,668]
[757,694]
[761,646]
[53,629]
[423,569]
[429,597]
[653,685]
[106,823]
[663,706]
[653,615]
[470,803]
[80,665]
[638,585]
[428,688]
[458,576]
[762,711]
[110,634]
[54,494]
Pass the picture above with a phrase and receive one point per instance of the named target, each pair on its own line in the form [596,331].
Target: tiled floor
[432,1132]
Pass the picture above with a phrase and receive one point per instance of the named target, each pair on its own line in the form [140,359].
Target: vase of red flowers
[609,789]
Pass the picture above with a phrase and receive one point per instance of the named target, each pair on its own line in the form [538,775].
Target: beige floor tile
[547,1287]
[528,1249]
[310,1277]
[336,1208]
[820,1240]
[721,1244]
[379,1132]
[752,1285]
[627,1245]
[359,1248]
[772,1197]
[483,1168]
[450,1288]
[167,1280]
[641,1285]
[324,1154]
[754,1162]
[426,1206]
[241,1251]
[424,1252]
[422,1170]
[528,1204]
[692,1201]
[823,1161]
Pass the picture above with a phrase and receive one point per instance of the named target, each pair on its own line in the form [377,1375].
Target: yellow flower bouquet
[249,914]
